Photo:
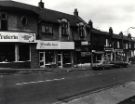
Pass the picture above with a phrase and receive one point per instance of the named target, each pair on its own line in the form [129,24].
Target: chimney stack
[110,30]
[76,12]
[41,4]
[90,23]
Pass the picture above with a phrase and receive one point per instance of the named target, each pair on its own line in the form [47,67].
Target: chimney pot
[75,12]
[41,4]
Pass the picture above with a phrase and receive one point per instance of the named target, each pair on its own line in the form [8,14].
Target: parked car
[120,64]
[101,65]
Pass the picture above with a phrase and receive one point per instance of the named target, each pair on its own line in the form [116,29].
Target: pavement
[112,95]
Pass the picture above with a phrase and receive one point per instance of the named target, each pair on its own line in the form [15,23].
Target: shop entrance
[60,60]
[47,59]
[42,59]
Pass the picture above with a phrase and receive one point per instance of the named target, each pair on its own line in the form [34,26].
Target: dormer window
[81,30]
[64,27]
[3,21]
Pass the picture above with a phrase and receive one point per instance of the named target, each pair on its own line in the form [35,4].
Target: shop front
[108,57]
[119,55]
[15,49]
[55,53]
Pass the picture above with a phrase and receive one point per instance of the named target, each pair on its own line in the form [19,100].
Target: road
[48,87]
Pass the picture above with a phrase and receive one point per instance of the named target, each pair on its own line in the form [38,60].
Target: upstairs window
[126,45]
[81,30]
[107,43]
[24,20]
[130,45]
[64,28]
[47,29]
[118,44]
[3,21]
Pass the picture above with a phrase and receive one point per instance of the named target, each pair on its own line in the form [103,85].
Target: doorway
[60,60]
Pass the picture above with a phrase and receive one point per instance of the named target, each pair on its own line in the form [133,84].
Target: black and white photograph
[67,52]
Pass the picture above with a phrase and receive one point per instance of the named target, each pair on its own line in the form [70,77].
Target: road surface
[48,87]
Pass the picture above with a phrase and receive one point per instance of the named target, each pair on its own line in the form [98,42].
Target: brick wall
[34,56]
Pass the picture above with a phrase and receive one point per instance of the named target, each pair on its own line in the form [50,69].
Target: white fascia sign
[17,37]
[84,43]
[41,45]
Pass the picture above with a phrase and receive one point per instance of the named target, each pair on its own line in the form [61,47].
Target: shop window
[24,52]
[49,57]
[47,29]
[24,20]
[3,21]
[66,57]
[7,52]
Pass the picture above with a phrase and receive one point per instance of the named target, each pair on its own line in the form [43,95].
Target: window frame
[81,30]
[44,29]
[64,28]
[4,20]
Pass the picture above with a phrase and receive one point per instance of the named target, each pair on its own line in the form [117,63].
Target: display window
[7,52]
[24,52]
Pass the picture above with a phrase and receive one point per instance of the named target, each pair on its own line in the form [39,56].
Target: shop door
[42,59]
[59,60]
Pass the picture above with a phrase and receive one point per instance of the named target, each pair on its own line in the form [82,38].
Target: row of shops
[16,51]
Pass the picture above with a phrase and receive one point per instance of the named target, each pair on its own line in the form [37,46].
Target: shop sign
[118,50]
[84,43]
[17,37]
[108,49]
[85,53]
[54,45]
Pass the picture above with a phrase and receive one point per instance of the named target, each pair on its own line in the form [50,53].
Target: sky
[118,14]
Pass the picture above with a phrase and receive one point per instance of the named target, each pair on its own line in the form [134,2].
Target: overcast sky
[118,14]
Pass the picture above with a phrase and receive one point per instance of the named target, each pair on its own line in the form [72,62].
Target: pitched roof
[115,36]
[45,14]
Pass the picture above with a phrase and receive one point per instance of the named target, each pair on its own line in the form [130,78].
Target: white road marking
[35,82]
